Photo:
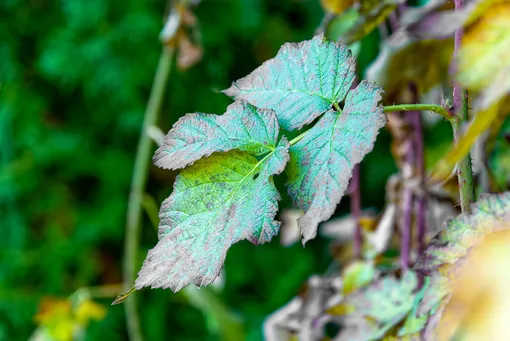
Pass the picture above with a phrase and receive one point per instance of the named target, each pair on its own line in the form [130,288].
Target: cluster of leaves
[73,94]
[480,67]
[452,300]
[230,195]
[373,303]
[74,82]
[227,193]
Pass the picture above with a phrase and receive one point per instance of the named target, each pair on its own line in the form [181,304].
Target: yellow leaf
[369,21]
[59,320]
[336,6]
[484,57]
[479,8]
[55,317]
[340,310]
[357,275]
[480,302]
[403,60]
[481,122]
[89,310]
[51,307]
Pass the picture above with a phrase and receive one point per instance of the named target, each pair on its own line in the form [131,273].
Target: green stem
[139,180]
[438,109]
[298,138]
[464,168]
[460,104]
[98,292]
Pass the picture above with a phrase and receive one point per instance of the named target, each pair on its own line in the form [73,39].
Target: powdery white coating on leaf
[194,136]
[216,202]
[488,215]
[301,82]
[321,163]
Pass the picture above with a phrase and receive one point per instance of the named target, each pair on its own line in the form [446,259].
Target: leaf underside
[302,82]
[321,163]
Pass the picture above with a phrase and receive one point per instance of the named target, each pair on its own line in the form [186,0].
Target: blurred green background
[75,78]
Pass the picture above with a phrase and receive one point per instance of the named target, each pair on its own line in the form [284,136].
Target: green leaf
[341,24]
[321,162]
[357,275]
[385,299]
[371,17]
[302,82]
[374,310]
[220,320]
[194,136]
[483,59]
[336,6]
[499,157]
[403,60]
[414,323]
[216,202]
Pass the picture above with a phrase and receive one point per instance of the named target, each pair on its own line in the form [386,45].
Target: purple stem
[407,207]
[393,20]
[394,16]
[356,211]
[416,123]
[407,196]
[457,90]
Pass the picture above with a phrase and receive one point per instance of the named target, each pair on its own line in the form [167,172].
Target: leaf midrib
[289,90]
[228,199]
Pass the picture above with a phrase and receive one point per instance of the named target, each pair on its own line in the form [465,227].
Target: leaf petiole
[298,138]
[438,109]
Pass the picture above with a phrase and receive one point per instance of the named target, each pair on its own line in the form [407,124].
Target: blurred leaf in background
[59,320]
[484,59]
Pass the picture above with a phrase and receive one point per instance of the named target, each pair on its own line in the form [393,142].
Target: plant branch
[438,109]
[139,180]
[407,204]
[417,128]
[460,104]
[298,138]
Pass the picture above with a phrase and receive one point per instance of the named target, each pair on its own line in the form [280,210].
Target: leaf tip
[232,91]
[122,296]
